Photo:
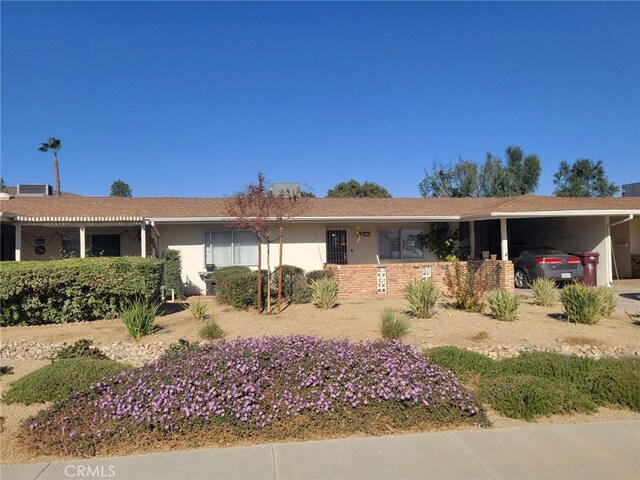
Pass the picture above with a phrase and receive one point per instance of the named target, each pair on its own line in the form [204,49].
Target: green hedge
[172,276]
[74,290]
[240,289]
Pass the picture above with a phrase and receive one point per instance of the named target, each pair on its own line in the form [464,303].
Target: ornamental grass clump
[393,326]
[422,296]
[198,310]
[240,388]
[582,304]
[138,316]
[324,292]
[503,305]
[545,292]
[609,298]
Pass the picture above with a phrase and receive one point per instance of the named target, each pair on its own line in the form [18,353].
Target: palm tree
[53,144]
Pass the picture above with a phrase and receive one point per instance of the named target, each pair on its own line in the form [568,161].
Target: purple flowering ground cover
[261,388]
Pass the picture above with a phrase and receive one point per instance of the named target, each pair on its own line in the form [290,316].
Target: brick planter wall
[367,281]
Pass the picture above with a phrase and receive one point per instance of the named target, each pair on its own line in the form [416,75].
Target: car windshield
[545,251]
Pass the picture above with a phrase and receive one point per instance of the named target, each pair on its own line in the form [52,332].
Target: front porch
[54,240]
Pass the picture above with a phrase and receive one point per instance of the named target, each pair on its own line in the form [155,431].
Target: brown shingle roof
[173,207]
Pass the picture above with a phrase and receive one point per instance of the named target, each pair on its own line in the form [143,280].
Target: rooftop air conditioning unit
[286,188]
[34,189]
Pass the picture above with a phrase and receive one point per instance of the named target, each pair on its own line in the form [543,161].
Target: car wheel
[521,279]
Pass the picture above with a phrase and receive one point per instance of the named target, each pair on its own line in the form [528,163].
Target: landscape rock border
[140,353]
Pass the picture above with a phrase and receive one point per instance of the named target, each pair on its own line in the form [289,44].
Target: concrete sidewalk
[607,450]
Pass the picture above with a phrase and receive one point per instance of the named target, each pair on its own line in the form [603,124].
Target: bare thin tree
[263,212]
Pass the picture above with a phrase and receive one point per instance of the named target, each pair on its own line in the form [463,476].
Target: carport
[615,237]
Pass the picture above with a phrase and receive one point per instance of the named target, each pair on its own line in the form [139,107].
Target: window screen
[228,248]
[105,245]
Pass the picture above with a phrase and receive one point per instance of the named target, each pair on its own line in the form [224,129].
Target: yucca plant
[545,292]
[422,296]
[324,292]
[198,310]
[503,305]
[393,326]
[582,304]
[609,299]
[138,316]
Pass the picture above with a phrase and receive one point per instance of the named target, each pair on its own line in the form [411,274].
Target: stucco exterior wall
[365,250]
[621,243]
[304,246]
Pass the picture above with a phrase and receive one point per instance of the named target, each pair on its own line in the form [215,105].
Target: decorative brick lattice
[426,272]
[381,280]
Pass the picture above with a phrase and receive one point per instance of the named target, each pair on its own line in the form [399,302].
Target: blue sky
[192,99]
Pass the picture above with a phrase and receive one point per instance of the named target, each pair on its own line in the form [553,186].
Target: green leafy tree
[494,178]
[54,145]
[353,188]
[3,186]
[120,188]
[584,178]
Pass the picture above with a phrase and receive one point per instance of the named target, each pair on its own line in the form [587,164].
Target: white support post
[83,243]
[18,242]
[607,248]
[472,239]
[504,244]
[143,239]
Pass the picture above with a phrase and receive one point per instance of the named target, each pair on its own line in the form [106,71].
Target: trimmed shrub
[582,304]
[545,292]
[295,288]
[393,326]
[503,305]
[60,379]
[324,292]
[221,275]
[527,396]
[81,348]
[198,310]
[465,286]
[318,274]
[240,289]
[74,290]
[138,316]
[422,296]
[211,330]
[609,298]
[172,276]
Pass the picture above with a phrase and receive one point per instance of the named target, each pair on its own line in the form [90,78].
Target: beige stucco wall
[304,246]
[634,236]
[621,242]
[365,250]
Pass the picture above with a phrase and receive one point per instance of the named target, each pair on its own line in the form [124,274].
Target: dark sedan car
[545,262]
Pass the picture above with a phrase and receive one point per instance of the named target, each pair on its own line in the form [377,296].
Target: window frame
[400,237]
[232,233]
